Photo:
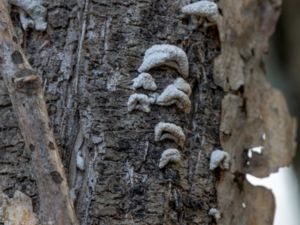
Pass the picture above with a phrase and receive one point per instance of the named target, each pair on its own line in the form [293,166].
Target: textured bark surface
[87,58]
[26,93]
[254,115]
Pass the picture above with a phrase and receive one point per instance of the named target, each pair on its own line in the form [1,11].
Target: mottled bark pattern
[26,93]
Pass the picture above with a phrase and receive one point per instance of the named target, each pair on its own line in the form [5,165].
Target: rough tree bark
[87,58]
[26,94]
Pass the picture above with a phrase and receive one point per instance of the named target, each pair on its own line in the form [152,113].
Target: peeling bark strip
[253,113]
[17,210]
[25,90]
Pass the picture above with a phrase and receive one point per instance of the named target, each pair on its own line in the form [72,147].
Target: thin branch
[26,93]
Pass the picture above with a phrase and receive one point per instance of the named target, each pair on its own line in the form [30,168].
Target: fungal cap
[171,95]
[215,213]
[204,8]
[183,86]
[139,102]
[169,131]
[165,54]
[145,81]
[219,158]
[170,155]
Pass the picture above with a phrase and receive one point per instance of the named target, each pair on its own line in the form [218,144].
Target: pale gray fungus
[169,131]
[215,213]
[26,21]
[171,95]
[35,10]
[206,9]
[165,54]
[170,155]
[139,102]
[145,81]
[182,85]
[220,159]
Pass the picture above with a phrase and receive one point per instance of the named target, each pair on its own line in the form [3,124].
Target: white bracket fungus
[215,213]
[165,54]
[219,158]
[207,9]
[182,85]
[139,102]
[145,81]
[35,10]
[171,95]
[170,155]
[169,131]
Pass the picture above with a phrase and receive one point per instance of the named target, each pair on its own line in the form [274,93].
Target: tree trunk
[87,59]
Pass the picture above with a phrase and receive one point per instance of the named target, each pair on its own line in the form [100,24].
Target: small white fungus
[165,54]
[215,213]
[207,9]
[257,150]
[171,95]
[170,155]
[220,159]
[25,21]
[145,81]
[244,205]
[169,131]
[35,10]
[139,102]
[183,86]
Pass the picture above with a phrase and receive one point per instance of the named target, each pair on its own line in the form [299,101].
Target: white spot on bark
[244,205]
[169,131]
[215,213]
[220,159]
[257,150]
[165,54]
[145,81]
[204,8]
[80,161]
[35,10]
[171,95]
[170,155]
[139,102]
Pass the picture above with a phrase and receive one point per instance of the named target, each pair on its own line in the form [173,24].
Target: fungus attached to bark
[170,155]
[207,9]
[26,21]
[220,159]
[145,81]
[165,54]
[171,95]
[183,86]
[215,213]
[169,131]
[139,102]
[35,10]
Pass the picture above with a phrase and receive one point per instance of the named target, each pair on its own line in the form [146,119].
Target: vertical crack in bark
[26,93]
[81,40]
